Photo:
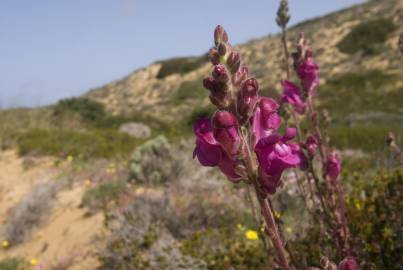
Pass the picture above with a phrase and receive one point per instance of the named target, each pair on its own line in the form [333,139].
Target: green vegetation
[89,112]
[13,264]
[200,112]
[189,90]
[180,65]
[226,248]
[360,93]
[375,219]
[93,143]
[367,36]
[366,138]
[99,196]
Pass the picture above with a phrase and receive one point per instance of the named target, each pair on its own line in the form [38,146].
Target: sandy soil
[67,234]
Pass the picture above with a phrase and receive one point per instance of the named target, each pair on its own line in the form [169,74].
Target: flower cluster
[246,122]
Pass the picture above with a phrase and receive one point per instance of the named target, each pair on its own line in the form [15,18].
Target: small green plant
[13,264]
[99,196]
[367,36]
[88,144]
[366,138]
[180,65]
[189,90]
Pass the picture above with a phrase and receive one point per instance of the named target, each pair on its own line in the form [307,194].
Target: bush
[13,264]
[180,65]
[89,144]
[366,36]
[30,212]
[90,112]
[99,196]
[154,162]
[374,209]
[200,112]
[361,92]
[189,90]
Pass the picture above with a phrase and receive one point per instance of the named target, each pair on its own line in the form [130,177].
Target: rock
[137,130]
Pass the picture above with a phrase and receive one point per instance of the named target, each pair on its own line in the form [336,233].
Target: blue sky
[52,49]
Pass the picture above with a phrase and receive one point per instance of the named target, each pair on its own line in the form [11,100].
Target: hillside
[77,192]
[172,88]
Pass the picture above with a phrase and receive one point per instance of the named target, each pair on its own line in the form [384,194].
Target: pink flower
[308,73]
[208,150]
[311,145]
[292,95]
[333,167]
[348,263]
[247,98]
[265,120]
[210,153]
[226,132]
[275,154]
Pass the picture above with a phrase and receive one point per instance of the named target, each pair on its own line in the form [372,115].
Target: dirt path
[67,234]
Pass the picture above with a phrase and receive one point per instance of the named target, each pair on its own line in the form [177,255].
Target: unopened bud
[283,15]
[220,73]
[240,76]
[222,49]
[247,99]
[214,56]
[220,35]
[234,61]
[226,132]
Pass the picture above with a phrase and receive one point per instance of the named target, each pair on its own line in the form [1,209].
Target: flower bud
[222,49]
[247,99]
[240,76]
[218,92]
[348,263]
[226,132]
[220,73]
[220,35]
[214,56]
[311,145]
[283,15]
[234,61]
[333,167]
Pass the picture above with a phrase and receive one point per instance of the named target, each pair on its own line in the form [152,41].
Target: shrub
[189,90]
[374,208]
[94,143]
[366,36]
[99,196]
[89,110]
[154,162]
[200,112]
[31,211]
[13,264]
[360,92]
[138,240]
[180,65]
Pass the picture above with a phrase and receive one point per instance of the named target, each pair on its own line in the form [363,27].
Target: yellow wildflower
[357,205]
[33,262]
[87,183]
[251,235]
[239,226]
[5,244]
[69,158]
[288,229]
[277,214]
